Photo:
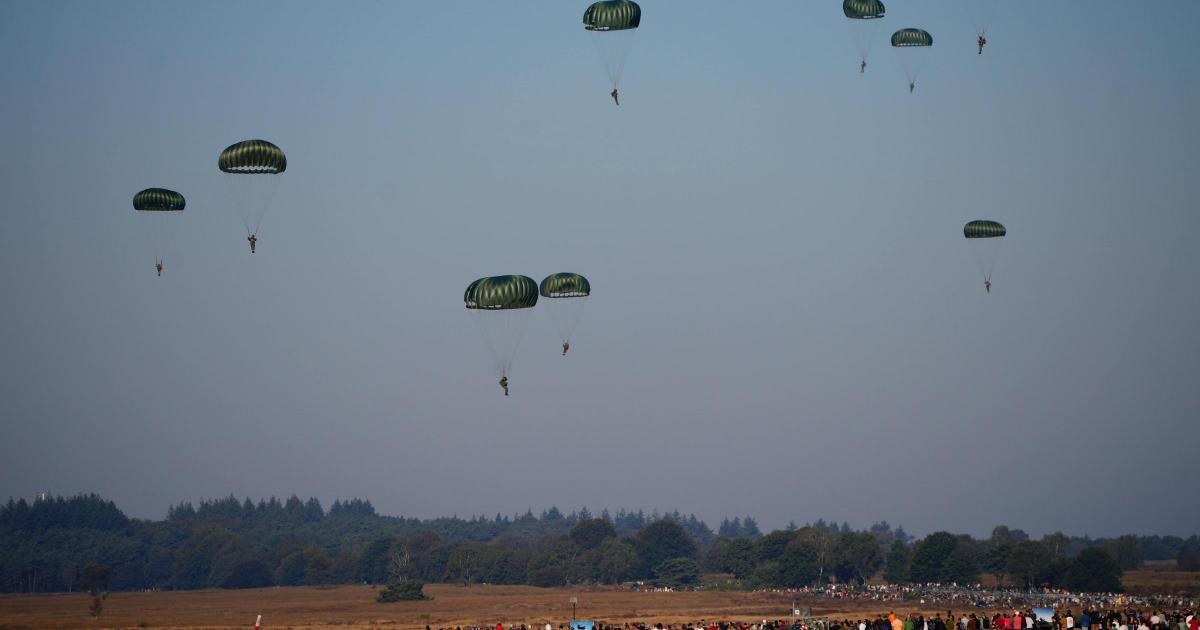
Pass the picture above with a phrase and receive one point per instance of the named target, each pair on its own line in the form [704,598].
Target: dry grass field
[355,606]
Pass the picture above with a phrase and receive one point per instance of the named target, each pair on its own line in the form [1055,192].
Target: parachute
[500,306]
[911,46]
[985,238]
[567,294]
[160,207]
[250,167]
[863,17]
[612,24]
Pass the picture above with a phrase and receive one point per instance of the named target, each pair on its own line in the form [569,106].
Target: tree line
[60,544]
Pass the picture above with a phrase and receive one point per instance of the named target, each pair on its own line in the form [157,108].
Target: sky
[786,321]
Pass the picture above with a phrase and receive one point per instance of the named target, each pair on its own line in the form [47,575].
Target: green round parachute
[911,46]
[863,16]
[500,306]
[911,37]
[567,293]
[501,293]
[252,195]
[984,229]
[984,238]
[565,285]
[613,24]
[863,9]
[158,200]
[252,157]
[612,15]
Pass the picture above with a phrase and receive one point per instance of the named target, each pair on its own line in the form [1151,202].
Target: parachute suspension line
[613,51]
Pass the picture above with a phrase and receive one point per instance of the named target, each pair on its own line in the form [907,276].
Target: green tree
[249,574]
[895,569]
[94,580]
[771,546]
[961,565]
[618,561]
[678,572]
[1187,560]
[402,591]
[800,564]
[1094,570]
[591,533]
[1027,563]
[929,555]
[858,557]
[660,541]
[1126,551]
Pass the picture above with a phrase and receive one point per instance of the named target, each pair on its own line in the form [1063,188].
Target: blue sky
[786,320]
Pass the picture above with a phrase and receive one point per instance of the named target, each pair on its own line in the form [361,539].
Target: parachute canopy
[565,285]
[501,293]
[984,229]
[612,15]
[984,238]
[158,200]
[252,157]
[863,9]
[909,37]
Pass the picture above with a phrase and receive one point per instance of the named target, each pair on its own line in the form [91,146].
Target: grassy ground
[355,606]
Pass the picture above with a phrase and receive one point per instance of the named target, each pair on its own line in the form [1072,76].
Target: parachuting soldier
[158,266]
[615,96]
[504,384]
[566,346]
[982,41]
[253,238]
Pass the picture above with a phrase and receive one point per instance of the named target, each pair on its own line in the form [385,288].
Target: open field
[355,606]
[309,607]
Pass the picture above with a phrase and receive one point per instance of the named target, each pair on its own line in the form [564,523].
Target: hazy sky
[786,320]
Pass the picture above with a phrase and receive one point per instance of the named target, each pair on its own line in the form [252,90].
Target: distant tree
[896,566]
[800,564]
[823,540]
[617,561]
[858,557]
[1057,544]
[750,529]
[730,555]
[249,574]
[373,563]
[660,541]
[677,572]
[95,581]
[1094,570]
[589,534]
[400,591]
[1027,563]
[1126,552]
[929,555]
[770,547]
[961,565]
[1187,560]
[547,576]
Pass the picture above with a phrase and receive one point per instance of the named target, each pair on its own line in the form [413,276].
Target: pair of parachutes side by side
[500,306]
[864,17]
[251,195]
